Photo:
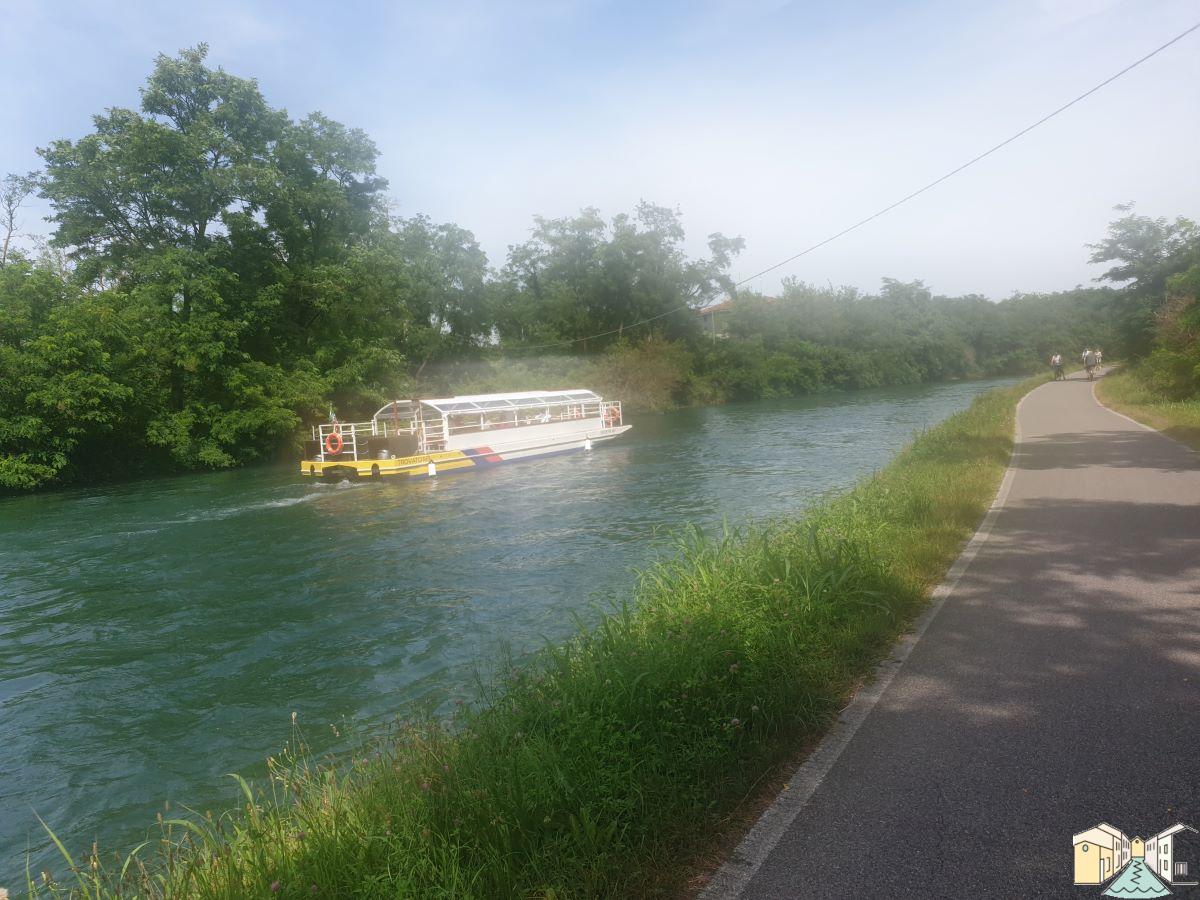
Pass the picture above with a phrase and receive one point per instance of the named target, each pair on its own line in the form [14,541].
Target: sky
[778,122]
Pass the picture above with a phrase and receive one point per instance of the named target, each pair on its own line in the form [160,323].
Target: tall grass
[1130,391]
[598,767]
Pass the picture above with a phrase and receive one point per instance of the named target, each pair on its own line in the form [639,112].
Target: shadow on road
[1119,449]
[1059,687]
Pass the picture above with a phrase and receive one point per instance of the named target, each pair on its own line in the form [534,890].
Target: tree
[325,197]
[581,276]
[13,191]
[1147,253]
[165,178]
[225,229]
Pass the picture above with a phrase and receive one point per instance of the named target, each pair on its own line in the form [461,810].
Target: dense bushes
[1171,374]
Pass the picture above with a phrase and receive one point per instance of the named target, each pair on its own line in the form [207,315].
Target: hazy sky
[780,122]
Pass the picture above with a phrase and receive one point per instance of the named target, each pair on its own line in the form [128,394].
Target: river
[158,634]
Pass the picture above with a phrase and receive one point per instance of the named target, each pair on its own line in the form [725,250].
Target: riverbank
[602,764]
[1126,392]
[655,375]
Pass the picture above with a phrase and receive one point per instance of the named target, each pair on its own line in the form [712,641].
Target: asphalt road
[1056,688]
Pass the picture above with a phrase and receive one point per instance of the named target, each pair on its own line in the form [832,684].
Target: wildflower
[301,835]
[754,708]
[314,888]
[445,768]
[735,722]
[293,717]
[274,887]
[424,785]
[733,668]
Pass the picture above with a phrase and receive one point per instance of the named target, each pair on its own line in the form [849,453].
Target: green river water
[159,634]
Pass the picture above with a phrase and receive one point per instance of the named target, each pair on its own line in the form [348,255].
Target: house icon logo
[1137,867]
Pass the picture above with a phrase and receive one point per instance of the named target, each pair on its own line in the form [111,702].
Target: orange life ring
[332,438]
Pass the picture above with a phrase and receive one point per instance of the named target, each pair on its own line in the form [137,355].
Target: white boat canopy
[397,409]
[516,400]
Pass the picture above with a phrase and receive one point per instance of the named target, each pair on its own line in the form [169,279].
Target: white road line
[732,878]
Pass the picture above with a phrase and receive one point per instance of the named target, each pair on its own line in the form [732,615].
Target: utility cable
[890,207]
[971,162]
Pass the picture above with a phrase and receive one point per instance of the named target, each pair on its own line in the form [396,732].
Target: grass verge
[602,766]
[1126,392]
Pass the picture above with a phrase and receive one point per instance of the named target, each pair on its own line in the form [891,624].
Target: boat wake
[229,512]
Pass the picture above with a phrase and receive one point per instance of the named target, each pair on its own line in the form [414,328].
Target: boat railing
[610,412]
[351,435]
[464,423]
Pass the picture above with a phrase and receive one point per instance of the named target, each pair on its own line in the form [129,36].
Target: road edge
[1159,432]
[748,857]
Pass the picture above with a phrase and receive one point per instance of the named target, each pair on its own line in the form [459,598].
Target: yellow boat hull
[379,468]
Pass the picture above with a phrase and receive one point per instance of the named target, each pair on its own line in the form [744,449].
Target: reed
[602,766]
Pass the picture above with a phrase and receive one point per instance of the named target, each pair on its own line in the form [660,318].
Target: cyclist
[1056,363]
[1089,363]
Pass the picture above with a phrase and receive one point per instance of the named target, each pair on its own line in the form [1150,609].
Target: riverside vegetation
[598,767]
[1132,392]
[1160,260]
[220,272]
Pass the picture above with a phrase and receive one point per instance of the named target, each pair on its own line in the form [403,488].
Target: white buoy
[587,443]
[432,468]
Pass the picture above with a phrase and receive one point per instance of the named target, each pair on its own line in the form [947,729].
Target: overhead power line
[861,222]
[971,162]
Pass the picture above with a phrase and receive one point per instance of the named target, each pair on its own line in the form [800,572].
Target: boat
[425,438]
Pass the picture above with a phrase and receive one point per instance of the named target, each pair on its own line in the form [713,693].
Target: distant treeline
[220,273]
